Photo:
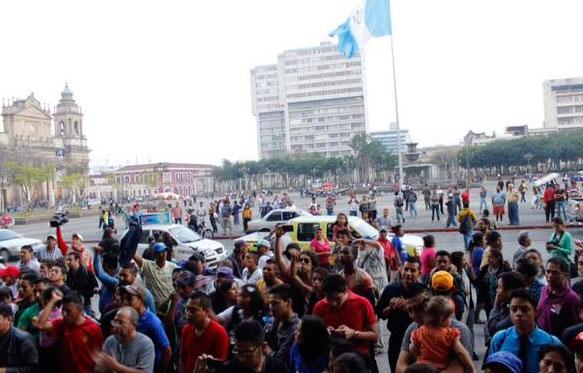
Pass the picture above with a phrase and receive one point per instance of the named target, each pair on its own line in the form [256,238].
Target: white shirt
[251,278]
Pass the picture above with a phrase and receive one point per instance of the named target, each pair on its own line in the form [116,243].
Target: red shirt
[213,341]
[77,342]
[549,195]
[356,312]
[389,253]
[466,196]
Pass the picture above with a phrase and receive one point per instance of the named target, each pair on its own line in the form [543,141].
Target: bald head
[129,313]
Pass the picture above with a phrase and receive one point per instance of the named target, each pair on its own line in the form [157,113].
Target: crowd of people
[273,307]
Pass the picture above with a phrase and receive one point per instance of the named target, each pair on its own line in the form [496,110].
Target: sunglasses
[305,260]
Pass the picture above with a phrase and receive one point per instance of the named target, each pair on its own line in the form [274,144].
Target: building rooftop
[138,167]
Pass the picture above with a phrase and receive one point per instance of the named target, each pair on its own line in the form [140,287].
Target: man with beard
[392,306]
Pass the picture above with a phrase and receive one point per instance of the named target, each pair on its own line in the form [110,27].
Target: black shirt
[272,365]
[398,320]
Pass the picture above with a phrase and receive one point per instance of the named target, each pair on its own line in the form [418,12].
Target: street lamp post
[3,182]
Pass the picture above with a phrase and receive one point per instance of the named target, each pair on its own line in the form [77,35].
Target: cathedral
[32,134]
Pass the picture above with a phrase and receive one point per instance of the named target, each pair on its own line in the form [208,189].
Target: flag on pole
[371,18]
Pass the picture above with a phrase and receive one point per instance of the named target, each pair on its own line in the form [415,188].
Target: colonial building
[184,179]
[32,134]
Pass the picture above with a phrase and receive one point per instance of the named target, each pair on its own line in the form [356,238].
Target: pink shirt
[322,247]
[427,257]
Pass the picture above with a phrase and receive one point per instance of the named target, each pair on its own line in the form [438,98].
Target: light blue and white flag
[371,18]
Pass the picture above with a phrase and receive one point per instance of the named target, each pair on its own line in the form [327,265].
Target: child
[433,342]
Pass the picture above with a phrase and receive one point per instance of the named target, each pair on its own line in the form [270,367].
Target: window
[274,216]
[144,237]
[330,231]
[307,231]
[287,215]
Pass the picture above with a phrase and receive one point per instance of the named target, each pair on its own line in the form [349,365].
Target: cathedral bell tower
[67,117]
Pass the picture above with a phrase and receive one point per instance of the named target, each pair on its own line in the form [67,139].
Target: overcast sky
[169,80]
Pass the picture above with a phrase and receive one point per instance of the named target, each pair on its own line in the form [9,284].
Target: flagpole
[399,150]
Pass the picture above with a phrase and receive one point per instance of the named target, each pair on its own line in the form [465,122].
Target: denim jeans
[483,204]
[412,209]
[561,210]
[467,239]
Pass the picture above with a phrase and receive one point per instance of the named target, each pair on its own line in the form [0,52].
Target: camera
[59,219]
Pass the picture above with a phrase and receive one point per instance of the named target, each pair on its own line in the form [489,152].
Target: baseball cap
[442,281]
[136,289]
[75,234]
[159,247]
[506,359]
[185,278]
[10,271]
[225,272]
[51,237]
[262,243]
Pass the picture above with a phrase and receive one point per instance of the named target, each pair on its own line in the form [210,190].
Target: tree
[28,177]
[74,184]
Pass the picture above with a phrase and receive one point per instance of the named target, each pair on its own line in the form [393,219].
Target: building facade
[144,180]
[563,101]
[389,138]
[33,135]
[311,101]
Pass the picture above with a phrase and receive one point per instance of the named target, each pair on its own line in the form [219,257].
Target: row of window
[329,75]
[329,83]
[326,92]
[570,109]
[569,99]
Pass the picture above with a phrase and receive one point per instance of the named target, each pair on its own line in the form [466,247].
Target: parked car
[11,242]
[272,218]
[304,231]
[186,242]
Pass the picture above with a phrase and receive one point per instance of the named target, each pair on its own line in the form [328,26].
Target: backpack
[466,224]
[398,202]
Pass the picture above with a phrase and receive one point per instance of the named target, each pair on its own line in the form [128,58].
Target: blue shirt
[477,255]
[509,340]
[298,365]
[398,246]
[150,325]
[108,285]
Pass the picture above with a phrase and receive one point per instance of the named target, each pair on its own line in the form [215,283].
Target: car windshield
[5,235]
[364,229]
[184,235]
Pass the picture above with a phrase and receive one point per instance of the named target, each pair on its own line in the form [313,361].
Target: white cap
[75,234]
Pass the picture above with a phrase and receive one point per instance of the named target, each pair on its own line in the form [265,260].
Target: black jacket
[18,351]
[82,281]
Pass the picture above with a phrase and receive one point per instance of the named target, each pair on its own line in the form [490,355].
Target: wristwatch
[355,334]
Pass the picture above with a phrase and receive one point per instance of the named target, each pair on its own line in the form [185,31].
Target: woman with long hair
[309,353]
[225,296]
[302,267]
[341,223]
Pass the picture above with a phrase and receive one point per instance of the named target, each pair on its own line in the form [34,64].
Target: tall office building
[563,100]
[390,138]
[311,101]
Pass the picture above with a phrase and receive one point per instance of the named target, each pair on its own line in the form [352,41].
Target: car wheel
[4,256]
[208,233]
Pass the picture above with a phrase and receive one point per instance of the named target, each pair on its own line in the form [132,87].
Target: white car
[186,242]
[272,218]
[11,242]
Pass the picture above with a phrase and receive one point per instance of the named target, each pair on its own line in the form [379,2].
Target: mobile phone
[287,227]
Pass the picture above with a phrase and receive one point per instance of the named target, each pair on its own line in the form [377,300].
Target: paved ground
[451,241]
